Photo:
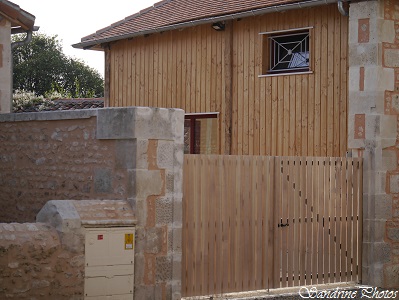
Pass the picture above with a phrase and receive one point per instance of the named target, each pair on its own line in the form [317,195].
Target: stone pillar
[5,66]
[372,130]
[151,149]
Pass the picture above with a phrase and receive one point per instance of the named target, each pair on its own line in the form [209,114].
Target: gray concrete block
[373,231]
[383,207]
[102,181]
[116,123]
[125,154]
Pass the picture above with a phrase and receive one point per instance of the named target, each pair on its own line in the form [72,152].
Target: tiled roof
[165,14]
[66,104]
[17,16]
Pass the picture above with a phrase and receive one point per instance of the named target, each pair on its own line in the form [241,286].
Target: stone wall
[45,156]
[133,154]
[34,264]
[373,132]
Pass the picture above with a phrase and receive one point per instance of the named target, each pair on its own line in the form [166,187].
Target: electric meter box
[109,263]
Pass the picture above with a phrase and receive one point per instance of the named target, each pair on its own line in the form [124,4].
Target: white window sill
[285,74]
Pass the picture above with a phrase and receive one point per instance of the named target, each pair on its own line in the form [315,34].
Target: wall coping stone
[49,115]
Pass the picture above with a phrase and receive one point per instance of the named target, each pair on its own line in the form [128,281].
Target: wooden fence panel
[257,222]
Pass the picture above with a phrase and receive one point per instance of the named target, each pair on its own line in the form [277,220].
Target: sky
[73,19]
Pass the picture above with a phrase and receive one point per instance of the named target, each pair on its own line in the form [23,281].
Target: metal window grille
[289,52]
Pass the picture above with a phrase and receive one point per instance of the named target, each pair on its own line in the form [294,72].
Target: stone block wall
[373,132]
[35,265]
[46,156]
[133,154]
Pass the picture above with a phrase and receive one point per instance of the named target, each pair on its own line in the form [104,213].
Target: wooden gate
[255,222]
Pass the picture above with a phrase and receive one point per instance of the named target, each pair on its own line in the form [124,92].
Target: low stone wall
[34,265]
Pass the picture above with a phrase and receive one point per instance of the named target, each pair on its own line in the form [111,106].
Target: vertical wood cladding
[202,70]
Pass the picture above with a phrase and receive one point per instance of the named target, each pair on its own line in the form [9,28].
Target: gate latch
[283,225]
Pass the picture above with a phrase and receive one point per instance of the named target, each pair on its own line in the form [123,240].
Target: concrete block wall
[373,135]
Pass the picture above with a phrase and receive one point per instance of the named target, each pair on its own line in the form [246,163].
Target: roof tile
[170,12]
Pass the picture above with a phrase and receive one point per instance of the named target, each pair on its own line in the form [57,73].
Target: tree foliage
[41,66]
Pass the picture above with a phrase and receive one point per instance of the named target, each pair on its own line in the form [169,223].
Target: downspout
[342,9]
[15,45]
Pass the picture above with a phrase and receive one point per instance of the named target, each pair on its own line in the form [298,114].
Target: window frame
[267,52]
[192,117]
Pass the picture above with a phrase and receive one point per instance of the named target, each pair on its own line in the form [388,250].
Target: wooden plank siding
[260,222]
[202,70]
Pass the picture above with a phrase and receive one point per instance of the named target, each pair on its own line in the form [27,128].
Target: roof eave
[17,16]
[97,44]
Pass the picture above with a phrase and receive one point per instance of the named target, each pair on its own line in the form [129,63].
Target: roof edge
[248,13]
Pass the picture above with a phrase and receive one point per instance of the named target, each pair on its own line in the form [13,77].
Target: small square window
[201,133]
[286,52]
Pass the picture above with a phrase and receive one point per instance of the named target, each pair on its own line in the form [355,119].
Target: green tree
[41,66]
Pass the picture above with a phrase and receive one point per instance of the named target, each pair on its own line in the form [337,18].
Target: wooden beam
[107,74]
[228,75]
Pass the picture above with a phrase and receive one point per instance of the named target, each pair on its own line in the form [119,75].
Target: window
[286,51]
[201,134]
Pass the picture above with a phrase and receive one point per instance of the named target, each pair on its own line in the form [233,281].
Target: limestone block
[138,269]
[150,240]
[391,275]
[386,143]
[141,154]
[393,234]
[391,58]
[163,211]
[144,183]
[177,212]
[177,266]
[386,31]
[354,77]
[377,78]
[364,54]
[175,239]
[61,214]
[366,102]
[394,183]
[389,127]
[163,267]
[372,129]
[165,154]
[389,160]
[364,10]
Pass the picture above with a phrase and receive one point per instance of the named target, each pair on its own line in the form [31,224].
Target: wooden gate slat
[231,212]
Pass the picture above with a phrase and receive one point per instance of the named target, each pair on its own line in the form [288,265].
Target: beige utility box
[109,263]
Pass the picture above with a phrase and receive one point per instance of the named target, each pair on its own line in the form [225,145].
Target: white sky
[73,19]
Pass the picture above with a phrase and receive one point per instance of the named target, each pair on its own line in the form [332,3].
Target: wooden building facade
[205,71]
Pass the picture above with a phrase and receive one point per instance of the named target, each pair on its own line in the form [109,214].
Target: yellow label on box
[129,241]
